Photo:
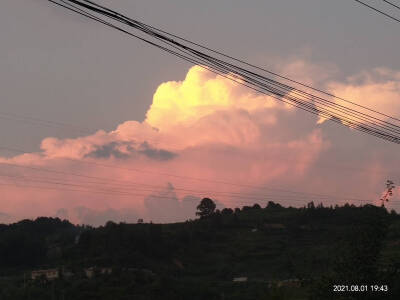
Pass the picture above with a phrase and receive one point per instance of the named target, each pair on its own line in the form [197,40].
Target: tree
[227,211]
[206,208]
[388,193]
[357,256]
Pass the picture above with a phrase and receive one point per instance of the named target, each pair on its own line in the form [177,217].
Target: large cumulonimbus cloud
[198,133]
[379,89]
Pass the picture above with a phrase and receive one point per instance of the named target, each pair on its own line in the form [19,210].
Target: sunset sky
[97,126]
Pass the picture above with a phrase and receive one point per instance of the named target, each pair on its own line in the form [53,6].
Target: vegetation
[283,253]
[206,208]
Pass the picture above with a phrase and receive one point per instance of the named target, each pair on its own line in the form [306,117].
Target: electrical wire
[392,4]
[379,11]
[135,187]
[322,107]
[110,181]
[315,104]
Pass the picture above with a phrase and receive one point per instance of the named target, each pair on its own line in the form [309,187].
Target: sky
[146,135]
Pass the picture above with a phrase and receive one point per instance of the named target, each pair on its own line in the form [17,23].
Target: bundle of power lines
[295,93]
[386,8]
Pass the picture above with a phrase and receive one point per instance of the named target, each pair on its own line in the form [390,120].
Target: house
[77,238]
[240,279]
[107,271]
[89,272]
[49,274]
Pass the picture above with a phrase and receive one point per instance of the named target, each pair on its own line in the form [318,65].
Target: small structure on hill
[77,238]
[240,279]
[89,272]
[49,274]
[107,271]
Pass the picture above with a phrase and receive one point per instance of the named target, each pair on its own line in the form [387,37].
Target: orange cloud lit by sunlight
[378,89]
[202,127]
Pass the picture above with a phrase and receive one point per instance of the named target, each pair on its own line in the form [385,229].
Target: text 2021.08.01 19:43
[360,288]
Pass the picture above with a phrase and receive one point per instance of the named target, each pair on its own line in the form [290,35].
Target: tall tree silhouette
[206,208]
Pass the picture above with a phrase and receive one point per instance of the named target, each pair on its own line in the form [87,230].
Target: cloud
[203,127]
[5,218]
[154,153]
[164,206]
[110,150]
[378,89]
[200,96]
[95,217]
[309,72]
[62,214]
[125,150]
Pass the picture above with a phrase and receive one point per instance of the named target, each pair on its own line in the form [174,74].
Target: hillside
[273,252]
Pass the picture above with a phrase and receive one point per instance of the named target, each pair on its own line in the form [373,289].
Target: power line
[185,177]
[332,111]
[127,190]
[392,4]
[277,89]
[378,10]
[243,201]
[48,123]
[227,56]
[263,69]
[102,179]
[157,173]
[42,122]
[8,116]
[235,80]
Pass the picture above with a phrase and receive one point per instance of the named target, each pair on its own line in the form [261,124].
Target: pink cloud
[202,127]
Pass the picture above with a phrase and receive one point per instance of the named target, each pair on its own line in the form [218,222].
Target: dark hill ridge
[286,253]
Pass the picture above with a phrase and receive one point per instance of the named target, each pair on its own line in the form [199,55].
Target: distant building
[89,272]
[49,274]
[240,279]
[105,271]
[77,238]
